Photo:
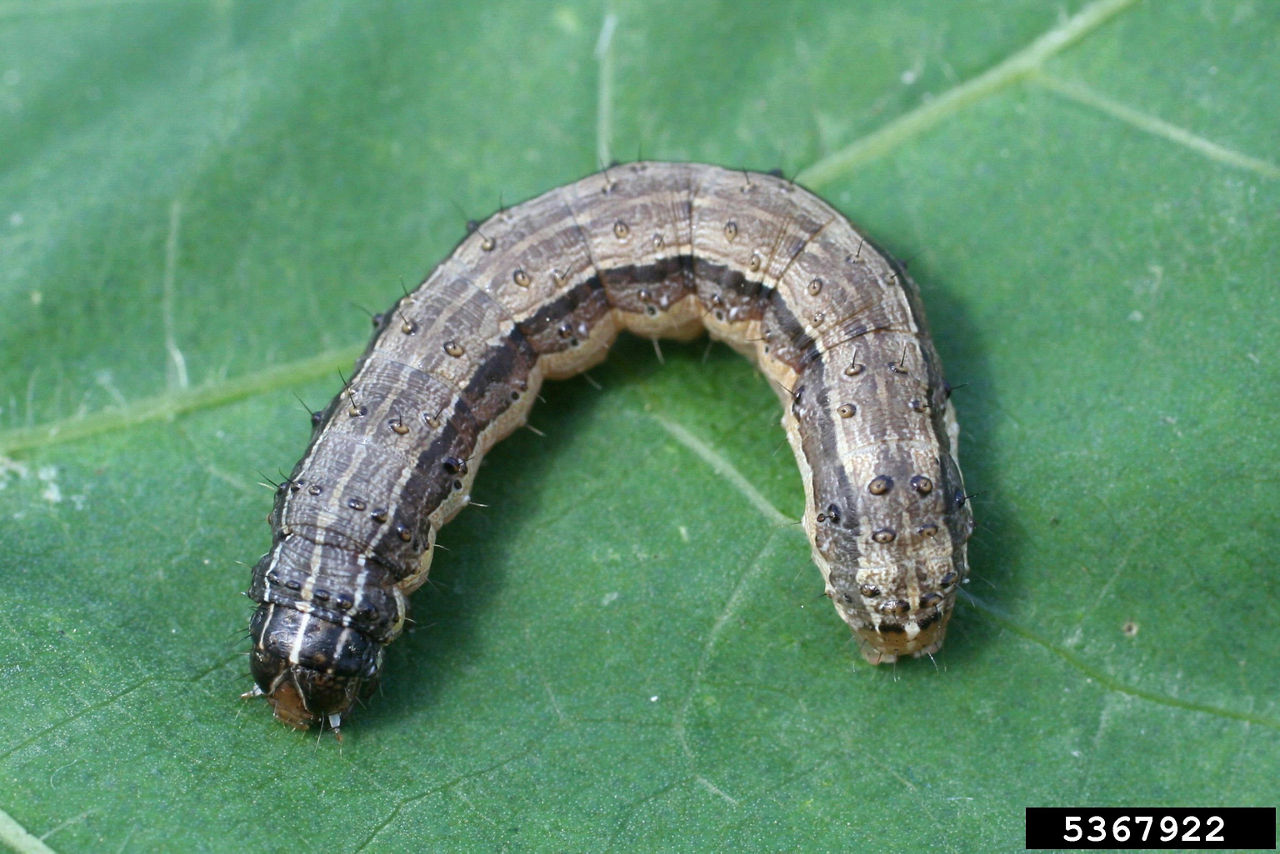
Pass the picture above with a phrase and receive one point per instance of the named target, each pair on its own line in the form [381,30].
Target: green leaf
[628,647]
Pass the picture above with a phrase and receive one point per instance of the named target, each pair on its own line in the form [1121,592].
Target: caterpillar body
[539,291]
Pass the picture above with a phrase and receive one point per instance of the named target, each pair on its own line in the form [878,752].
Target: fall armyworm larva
[540,291]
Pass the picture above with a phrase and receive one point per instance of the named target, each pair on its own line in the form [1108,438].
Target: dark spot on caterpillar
[797,409]
[922,484]
[894,607]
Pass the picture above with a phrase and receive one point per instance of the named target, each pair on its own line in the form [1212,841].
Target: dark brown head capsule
[310,669]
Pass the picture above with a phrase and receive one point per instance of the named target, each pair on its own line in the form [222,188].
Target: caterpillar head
[899,609]
[310,669]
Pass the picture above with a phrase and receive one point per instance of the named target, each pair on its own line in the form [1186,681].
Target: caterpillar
[539,291]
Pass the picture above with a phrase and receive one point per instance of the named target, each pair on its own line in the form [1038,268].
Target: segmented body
[539,291]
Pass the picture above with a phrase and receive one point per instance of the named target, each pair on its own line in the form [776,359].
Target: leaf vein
[1155,126]
[1110,682]
[725,469]
[1012,69]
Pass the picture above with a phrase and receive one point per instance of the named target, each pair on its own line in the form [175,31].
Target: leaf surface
[628,647]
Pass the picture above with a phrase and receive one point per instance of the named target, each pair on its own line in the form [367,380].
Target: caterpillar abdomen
[540,291]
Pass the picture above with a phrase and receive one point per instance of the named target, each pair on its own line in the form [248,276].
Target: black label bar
[1151,828]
